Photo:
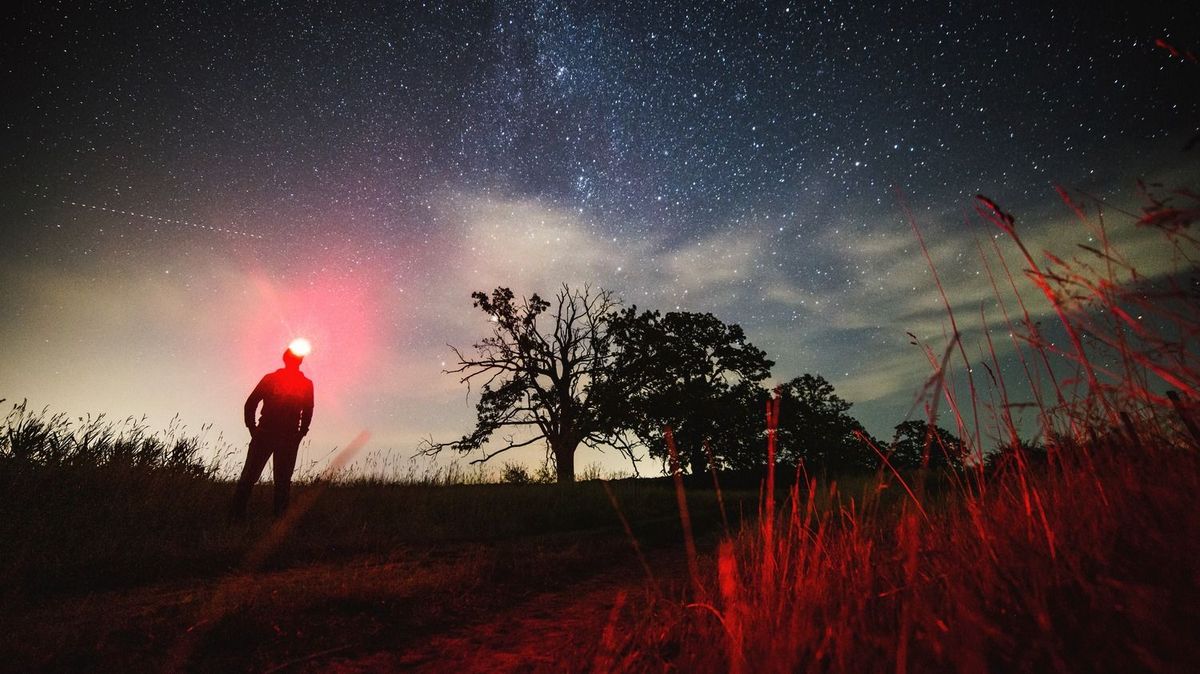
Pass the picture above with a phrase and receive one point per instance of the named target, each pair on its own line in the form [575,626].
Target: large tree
[695,374]
[542,370]
[815,427]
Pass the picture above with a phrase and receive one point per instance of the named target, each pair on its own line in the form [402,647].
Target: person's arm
[256,397]
[307,411]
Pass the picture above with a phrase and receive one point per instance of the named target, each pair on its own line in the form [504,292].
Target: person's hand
[253,430]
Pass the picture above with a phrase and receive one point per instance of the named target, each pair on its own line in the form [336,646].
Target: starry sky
[187,186]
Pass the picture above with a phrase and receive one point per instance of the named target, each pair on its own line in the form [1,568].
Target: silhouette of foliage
[515,473]
[815,428]
[918,443]
[695,374]
[32,440]
[1011,455]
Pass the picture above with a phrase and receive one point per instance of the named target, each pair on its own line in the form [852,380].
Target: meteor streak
[173,221]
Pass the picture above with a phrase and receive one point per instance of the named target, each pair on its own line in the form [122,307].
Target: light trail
[173,221]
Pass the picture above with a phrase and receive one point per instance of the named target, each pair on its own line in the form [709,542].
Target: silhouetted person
[287,406]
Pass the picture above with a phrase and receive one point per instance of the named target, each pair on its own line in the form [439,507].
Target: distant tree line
[580,369]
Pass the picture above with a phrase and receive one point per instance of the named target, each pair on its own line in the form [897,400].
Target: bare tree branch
[511,445]
[538,375]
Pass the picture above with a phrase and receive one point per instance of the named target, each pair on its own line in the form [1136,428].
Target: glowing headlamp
[300,346]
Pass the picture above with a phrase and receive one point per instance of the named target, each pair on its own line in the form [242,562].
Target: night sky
[187,186]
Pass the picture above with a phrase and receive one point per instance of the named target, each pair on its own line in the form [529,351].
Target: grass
[78,518]
[1087,566]
[117,554]
[1077,554]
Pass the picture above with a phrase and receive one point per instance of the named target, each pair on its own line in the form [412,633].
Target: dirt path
[567,630]
[519,606]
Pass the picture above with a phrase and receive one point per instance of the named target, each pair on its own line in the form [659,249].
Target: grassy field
[68,533]
[117,553]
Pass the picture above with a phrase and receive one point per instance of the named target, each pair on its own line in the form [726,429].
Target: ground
[531,603]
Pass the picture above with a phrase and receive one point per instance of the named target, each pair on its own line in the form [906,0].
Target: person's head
[291,361]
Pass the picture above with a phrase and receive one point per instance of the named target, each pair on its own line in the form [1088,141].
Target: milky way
[185,186]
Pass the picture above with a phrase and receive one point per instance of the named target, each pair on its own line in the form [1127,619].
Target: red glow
[335,310]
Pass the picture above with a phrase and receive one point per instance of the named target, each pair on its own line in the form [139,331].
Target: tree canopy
[695,374]
[815,427]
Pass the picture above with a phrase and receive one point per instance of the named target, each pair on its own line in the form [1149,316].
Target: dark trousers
[264,445]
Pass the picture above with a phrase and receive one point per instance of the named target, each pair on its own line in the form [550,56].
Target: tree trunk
[564,461]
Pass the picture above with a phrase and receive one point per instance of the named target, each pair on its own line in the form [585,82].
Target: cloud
[715,262]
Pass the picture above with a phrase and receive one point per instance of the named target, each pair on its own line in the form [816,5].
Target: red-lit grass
[1079,557]
[1037,575]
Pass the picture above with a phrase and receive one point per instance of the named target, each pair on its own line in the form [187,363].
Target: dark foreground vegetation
[115,552]
[1085,564]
